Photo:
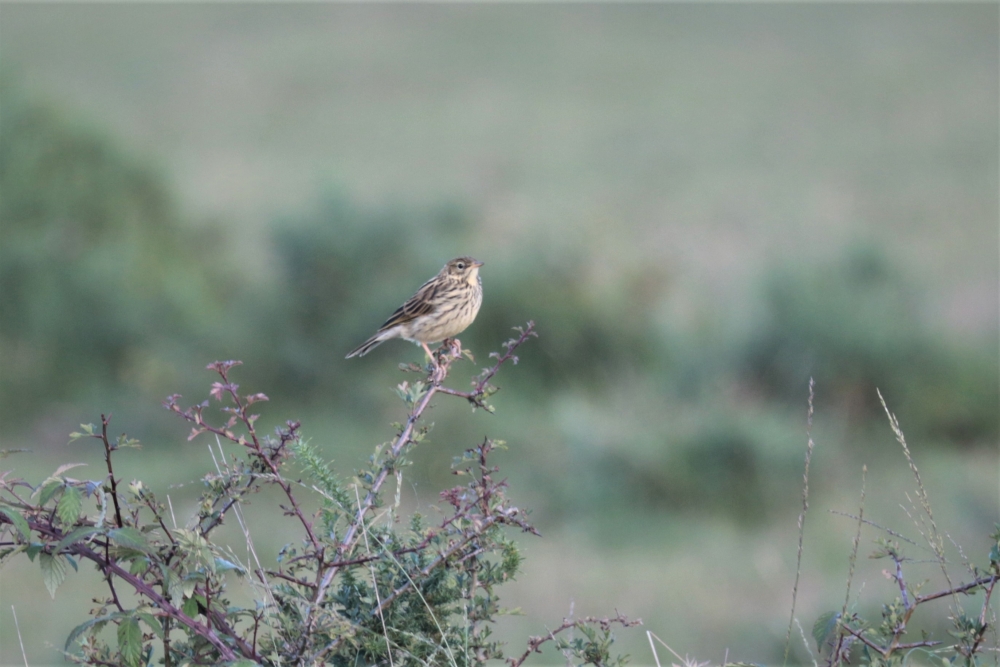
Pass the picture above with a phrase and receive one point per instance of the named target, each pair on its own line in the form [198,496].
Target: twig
[239,412]
[883,651]
[802,518]
[371,566]
[652,646]
[481,383]
[934,539]
[805,642]
[955,590]
[401,441]
[889,531]
[535,643]
[105,419]
[349,536]
[842,622]
[20,641]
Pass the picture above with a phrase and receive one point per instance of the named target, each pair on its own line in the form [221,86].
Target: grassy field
[671,154]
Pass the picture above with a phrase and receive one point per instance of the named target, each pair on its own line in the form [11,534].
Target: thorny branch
[178,574]
[105,419]
[446,355]
[481,387]
[110,567]
[272,458]
[535,643]
[897,616]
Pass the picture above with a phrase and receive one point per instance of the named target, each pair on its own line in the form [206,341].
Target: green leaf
[49,489]
[130,641]
[823,626]
[68,509]
[95,623]
[33,550]
[223,565]
[245,662]
[66,466]
[4,453]
[19,521]
[125,441]
[75,536]
[53,571]
[88,430]
[189,583]
[10,551]
[130,538]
[138,565]
[153,622]
[190,607]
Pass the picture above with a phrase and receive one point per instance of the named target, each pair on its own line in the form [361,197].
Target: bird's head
[463,268]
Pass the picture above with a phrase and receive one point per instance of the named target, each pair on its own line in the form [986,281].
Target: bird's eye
[461,265]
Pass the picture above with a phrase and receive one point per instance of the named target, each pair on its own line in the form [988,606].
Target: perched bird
[442,308]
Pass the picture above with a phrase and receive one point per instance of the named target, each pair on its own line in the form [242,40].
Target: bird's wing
[419,304]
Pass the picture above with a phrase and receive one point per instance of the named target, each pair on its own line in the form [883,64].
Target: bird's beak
[476,263]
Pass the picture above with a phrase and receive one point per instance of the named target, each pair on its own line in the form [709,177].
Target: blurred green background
[700,206]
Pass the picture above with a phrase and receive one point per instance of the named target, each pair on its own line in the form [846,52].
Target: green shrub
[855,325]
[356,588]
[97,278]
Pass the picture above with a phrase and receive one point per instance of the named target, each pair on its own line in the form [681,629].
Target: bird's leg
[455,346]
[430,355]
[438,372]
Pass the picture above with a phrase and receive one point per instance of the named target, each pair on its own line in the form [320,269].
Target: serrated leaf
[130,538]
[88,430]
[190,607]
[49,489]
[130,641]
[95,623]
[68,509]
[33,549]
[20,523]
[138,565]
[4,453]
[188,585]
[125,441]
[74,536]
[10,551]
[223,565]
[66,466]
[823,626]
[153,622]
[53,571]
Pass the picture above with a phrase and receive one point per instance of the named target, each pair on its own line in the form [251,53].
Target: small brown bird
[442,308]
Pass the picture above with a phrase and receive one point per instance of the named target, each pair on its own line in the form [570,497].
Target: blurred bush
[855,324]
[97,277]
[103,287]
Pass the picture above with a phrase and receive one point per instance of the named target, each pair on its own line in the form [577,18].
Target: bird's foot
[437,374]
[454,346]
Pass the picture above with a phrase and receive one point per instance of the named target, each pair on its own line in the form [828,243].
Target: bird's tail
[368,345]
